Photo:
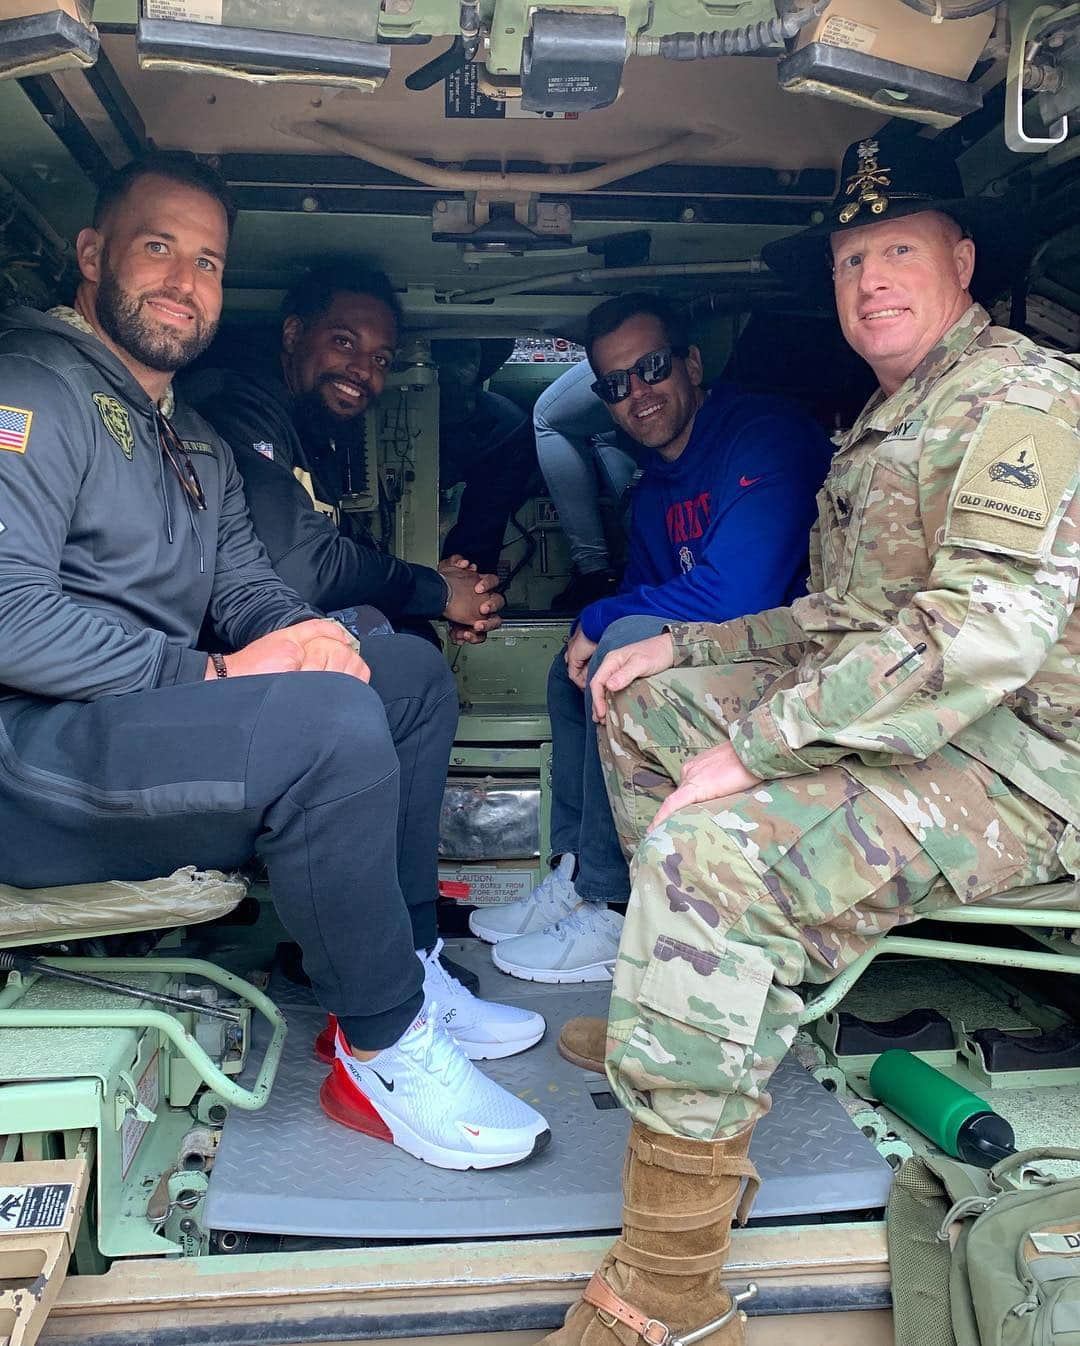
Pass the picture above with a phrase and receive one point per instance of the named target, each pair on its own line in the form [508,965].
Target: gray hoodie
[107,571]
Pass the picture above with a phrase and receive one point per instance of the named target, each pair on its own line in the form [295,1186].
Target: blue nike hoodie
[723,530]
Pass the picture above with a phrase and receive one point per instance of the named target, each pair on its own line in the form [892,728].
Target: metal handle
[1022,19]
[212,1076]
[21,963]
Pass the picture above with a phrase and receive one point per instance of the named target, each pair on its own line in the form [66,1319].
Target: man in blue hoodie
[721,520]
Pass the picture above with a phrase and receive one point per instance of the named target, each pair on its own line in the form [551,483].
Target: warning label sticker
[841,32]
[43,1205]
[463,99]
[486,887]
[190,11]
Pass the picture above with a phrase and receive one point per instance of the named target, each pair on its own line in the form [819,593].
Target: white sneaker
[482,1029]
[425,1096]
[549,901]
[581,947]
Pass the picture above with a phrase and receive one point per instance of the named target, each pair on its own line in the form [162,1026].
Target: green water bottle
[956,1120]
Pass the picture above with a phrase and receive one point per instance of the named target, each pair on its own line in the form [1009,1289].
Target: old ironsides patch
[115,418]
[1017,468]
[1010,486]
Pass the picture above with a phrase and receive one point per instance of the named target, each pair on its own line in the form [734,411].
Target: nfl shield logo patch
[264,447]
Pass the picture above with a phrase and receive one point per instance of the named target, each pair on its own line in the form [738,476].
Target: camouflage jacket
[945,564]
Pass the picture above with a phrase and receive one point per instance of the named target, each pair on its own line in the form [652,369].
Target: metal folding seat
[32,917]
[1048,914]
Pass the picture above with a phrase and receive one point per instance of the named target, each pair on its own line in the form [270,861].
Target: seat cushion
[1061,896]
[40,915]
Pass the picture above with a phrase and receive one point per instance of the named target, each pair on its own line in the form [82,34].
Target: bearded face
[152,273]
[161,329]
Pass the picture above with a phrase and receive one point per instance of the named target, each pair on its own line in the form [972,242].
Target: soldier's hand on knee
[711,774]
[621,667]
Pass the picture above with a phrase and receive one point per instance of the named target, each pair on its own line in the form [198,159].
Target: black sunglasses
[652,368]
[172,446]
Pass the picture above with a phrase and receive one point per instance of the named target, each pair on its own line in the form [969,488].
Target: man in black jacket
[486,441]
[126,751]
[294,418]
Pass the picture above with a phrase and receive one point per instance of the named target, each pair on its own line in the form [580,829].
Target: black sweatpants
[336,785]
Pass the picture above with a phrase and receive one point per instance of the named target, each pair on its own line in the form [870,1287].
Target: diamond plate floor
[289,1170]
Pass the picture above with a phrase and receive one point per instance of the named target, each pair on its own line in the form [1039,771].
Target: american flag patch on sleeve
[15,428]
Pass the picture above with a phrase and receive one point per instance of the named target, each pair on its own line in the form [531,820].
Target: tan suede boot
[661,1279]
[583,1042]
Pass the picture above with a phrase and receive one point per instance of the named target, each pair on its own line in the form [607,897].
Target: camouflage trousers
[738,902]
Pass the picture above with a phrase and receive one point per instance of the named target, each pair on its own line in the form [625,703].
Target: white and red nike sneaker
[483,1029]
[424,1095]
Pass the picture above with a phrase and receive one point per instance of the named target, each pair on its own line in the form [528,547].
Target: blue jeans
[574,435]
[581,819]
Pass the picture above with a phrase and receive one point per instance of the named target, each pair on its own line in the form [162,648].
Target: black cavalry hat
[885,178]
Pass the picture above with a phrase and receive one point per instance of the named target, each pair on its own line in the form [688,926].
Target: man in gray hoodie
[127,751]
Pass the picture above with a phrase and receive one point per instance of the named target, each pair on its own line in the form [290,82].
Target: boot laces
[580,921]
[547,896]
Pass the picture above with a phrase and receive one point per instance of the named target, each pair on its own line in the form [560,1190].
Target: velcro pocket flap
[719,990]
[1064,1315]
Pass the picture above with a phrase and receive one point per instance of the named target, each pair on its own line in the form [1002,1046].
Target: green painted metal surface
[1065,957]
[79,1057]
[508,674]
[98,1011]
[508,19]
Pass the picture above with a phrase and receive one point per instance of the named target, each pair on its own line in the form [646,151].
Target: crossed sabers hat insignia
[868,182]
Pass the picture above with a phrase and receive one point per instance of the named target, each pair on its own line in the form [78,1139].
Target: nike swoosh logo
[388,1085]
[473,1131]
[748,481]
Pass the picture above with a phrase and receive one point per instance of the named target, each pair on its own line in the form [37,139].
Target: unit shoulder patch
[15,428]
[1017,468]
[115,418]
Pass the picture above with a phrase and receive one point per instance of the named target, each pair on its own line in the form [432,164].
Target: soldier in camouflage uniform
[796,783]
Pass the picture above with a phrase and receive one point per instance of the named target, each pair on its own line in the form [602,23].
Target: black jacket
[107,573]
[323,557]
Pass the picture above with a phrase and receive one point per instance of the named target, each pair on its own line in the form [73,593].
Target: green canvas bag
[977,1263]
